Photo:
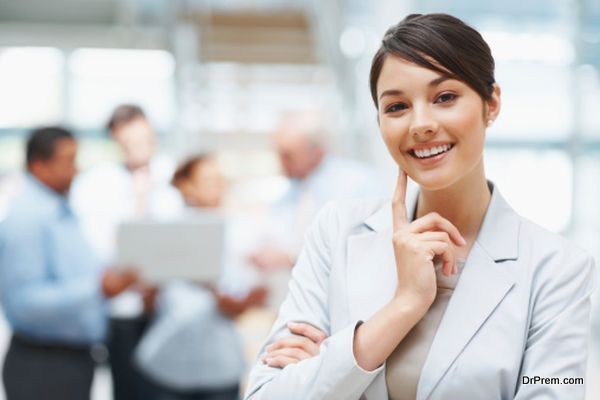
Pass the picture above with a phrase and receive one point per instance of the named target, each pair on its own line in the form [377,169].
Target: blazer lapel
[371,269]
[371,275]
[482,285]
[484,281]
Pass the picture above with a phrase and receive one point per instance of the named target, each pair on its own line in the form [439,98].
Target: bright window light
[537,183]
[110,63]
[101,79]
[31,86]
[542,47]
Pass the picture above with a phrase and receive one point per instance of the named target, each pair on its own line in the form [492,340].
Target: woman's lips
[432,159]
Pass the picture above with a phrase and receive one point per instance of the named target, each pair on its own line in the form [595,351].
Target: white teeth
[423,153]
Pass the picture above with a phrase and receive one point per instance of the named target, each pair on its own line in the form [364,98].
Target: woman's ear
[493,105]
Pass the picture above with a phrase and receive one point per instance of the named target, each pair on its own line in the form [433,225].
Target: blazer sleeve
[334,373]
[557,342]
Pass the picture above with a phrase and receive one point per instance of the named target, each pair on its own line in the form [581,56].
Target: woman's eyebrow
[439,80]
[397,92]
[391,92]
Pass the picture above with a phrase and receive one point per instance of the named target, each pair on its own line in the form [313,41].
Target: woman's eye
[445,98]
[396,107]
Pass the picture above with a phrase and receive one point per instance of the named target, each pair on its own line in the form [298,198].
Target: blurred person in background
[52,287]
[201,182]
[137,186]
[192,351]
[10,186]
[203,186]
[315,177]
[115,192]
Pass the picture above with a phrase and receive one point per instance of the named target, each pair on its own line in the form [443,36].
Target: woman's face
[207,184]
[433,126]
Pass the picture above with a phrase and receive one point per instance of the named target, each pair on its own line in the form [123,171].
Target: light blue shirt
[335,178]
[49,277]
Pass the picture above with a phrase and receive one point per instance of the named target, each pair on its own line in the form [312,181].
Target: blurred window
[537,182]
[100,79]
[32,86]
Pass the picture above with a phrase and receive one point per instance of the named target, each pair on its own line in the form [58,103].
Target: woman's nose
[423,125]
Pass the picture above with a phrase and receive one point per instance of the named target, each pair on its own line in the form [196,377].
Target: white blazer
[520,309]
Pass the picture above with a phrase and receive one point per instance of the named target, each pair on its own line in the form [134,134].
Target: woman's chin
[432,182]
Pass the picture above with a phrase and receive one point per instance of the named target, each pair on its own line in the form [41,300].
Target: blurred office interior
[216,75]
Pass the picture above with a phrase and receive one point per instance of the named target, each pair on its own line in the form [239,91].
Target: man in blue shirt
[52,287]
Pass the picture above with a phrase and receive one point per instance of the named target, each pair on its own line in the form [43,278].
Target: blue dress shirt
[49,277]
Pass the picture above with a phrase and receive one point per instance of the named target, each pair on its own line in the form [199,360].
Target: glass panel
[537,183]
[100,79]
[32,83]
[589,86]
[536,102]
[587,198]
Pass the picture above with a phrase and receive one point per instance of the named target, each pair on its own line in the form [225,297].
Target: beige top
[404,365]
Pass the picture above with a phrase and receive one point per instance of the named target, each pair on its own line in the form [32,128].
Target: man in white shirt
[112,193]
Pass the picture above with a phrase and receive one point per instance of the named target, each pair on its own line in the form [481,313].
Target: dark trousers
[157,392]
[34,371]
[123,336]
[129,383]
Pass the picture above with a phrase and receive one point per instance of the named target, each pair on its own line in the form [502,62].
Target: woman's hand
[303,344]
[415,246]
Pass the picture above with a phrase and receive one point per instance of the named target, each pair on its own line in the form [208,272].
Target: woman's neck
[464,203]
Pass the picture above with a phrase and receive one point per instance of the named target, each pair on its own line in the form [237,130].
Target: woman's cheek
[393,147]
[391,137]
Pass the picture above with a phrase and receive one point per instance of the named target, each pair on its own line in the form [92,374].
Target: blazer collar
[486,279]
[498,235]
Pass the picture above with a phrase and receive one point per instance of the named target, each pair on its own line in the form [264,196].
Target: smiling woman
[451,295]
[429,113]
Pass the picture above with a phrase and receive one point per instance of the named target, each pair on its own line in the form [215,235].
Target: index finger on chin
[399,213]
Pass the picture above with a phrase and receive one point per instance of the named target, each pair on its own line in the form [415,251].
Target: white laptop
[182,249]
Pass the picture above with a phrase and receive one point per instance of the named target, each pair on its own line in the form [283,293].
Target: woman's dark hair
[41,143]
[442,43]
[185,170]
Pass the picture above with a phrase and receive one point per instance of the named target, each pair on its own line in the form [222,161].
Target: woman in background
[192,350]
[203,186]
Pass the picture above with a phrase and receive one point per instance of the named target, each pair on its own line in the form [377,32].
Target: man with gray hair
[315,178]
